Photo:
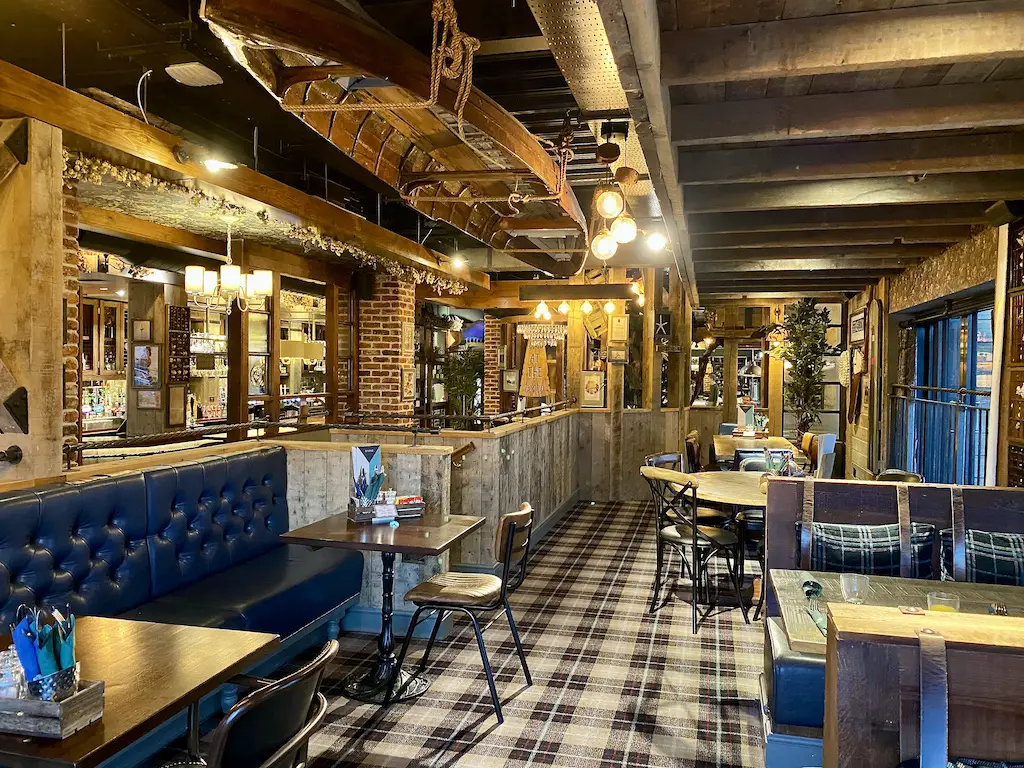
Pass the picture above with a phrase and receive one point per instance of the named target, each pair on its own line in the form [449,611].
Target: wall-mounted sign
[592,389]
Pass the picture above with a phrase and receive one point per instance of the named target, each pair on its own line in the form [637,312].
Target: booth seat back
[78,545]
[109,544]
[208,515]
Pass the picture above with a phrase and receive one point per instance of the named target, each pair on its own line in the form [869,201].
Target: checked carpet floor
[613,686]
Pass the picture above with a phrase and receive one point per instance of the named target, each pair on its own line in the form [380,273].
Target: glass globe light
[656,242]
[624,229]
[542,309]
[603,245]
[609,202]
[564,308]
[609,306]
[586,307]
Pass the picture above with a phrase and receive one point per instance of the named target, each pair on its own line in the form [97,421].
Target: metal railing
[939,433]
[415,425]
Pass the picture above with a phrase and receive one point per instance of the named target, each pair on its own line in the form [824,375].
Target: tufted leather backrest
[80,545]
[208,515]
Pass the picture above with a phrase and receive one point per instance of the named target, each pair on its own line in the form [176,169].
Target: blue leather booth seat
[796,681]
[196,543]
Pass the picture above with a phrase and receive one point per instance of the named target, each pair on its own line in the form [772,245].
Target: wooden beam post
[730,373]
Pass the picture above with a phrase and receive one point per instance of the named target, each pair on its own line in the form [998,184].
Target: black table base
[371,686]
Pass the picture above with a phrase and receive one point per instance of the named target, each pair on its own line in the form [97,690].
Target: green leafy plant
[805,350]
[462,372]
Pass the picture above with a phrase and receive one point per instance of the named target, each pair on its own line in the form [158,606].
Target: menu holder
[53,719]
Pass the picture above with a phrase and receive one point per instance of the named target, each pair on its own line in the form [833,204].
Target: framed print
[408,337]
[148,399]
[618,354]
[146,365]
[619,331]
[176,406]
[142,330]
[858,327]
[258,374]
[510,380]
[592,389]
[408,384]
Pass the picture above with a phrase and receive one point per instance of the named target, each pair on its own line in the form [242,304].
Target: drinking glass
[855,587]
[943,601]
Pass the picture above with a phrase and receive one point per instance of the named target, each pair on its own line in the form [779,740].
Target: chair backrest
[898,476]
[512,545]
[753,464]
[805,443]
[271,726]
[668,490]
[726,429]
[676,461]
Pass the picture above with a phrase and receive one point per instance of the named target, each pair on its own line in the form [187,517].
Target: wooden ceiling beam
[122,225]
[809,266]
[811,252]
[812,237]
[896,190]
[789,283]
[845,42]
[752,297]
[862,159]
[973,106]
[838,218]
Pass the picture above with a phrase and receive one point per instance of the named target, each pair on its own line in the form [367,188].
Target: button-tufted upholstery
[208,515]
[79,545]
[196,543]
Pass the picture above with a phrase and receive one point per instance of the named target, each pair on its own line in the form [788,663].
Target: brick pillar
[72,419]
[381,357]
[492,368]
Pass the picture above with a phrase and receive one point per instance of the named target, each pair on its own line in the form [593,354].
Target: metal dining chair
[677,463]
[271,727]
[697,545]
[474,593]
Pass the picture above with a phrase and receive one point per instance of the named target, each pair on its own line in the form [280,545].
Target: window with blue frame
[948,420]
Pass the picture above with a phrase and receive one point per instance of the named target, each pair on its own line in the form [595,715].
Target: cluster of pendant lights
[623,229]
[206,287]
[543,313]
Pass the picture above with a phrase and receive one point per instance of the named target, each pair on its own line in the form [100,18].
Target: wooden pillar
[238,372]
[31,294]
[575,353]
[652,361]
[683,333]
[273,409]
[730,373]
[775,400]
[331,360]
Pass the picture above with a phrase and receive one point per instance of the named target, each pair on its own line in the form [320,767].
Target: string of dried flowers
[311,237]
[93,170]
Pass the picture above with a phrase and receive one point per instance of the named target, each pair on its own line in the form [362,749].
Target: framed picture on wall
[408,384]
[510,380]
[858,327]
[592,389]
[618,354]
[619,330]
[408,337]
[142,330]
[148,399]
[146,365]
[176,405]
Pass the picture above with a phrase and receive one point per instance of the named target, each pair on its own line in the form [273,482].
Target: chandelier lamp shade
[207,288]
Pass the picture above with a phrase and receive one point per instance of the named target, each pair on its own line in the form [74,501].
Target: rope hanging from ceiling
[451,58]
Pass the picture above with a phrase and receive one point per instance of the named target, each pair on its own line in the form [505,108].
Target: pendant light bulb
[603,245]
[640,300]
[542,309]
[609,202]
[609,306]
[635,288]
[624,229]
[586,307]
[564,308]
[656,242]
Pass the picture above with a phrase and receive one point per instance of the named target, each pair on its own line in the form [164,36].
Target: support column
[730,373]
[775,370]
[31,307]
[683,335]
[652,360]
[72,417]
[492,365]
[381,356]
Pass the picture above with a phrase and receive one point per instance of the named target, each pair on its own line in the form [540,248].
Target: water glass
[855,587]
[943,601]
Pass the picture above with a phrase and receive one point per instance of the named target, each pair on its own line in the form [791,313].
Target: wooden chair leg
[487,667]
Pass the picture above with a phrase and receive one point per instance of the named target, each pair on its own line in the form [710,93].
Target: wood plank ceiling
[823,144]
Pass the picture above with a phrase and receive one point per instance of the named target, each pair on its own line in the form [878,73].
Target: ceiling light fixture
[603,245]
[207,289]
[609,306]
[586,307]
[624,229]
[609,201]
[458,262]
[212,164]
[640,300]
[656,242]
[541,311]
[564,308]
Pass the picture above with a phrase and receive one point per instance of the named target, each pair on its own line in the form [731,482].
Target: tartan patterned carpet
[612,685]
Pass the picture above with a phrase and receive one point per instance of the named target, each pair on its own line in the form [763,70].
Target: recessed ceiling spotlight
[193,74]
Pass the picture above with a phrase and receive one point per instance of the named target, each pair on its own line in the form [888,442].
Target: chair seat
[457,589]
[683,534]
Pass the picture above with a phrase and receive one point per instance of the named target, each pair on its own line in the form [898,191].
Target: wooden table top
[426,536]
[726,445]
[740,488]
[151,673]
[884,591]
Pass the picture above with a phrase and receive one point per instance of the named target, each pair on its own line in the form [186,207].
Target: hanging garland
[312,238]
[93,170]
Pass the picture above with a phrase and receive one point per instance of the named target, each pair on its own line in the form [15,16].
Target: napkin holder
[53,719]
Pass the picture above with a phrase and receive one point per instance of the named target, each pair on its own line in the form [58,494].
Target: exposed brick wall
[72,358]
[492,368]
[381,360]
